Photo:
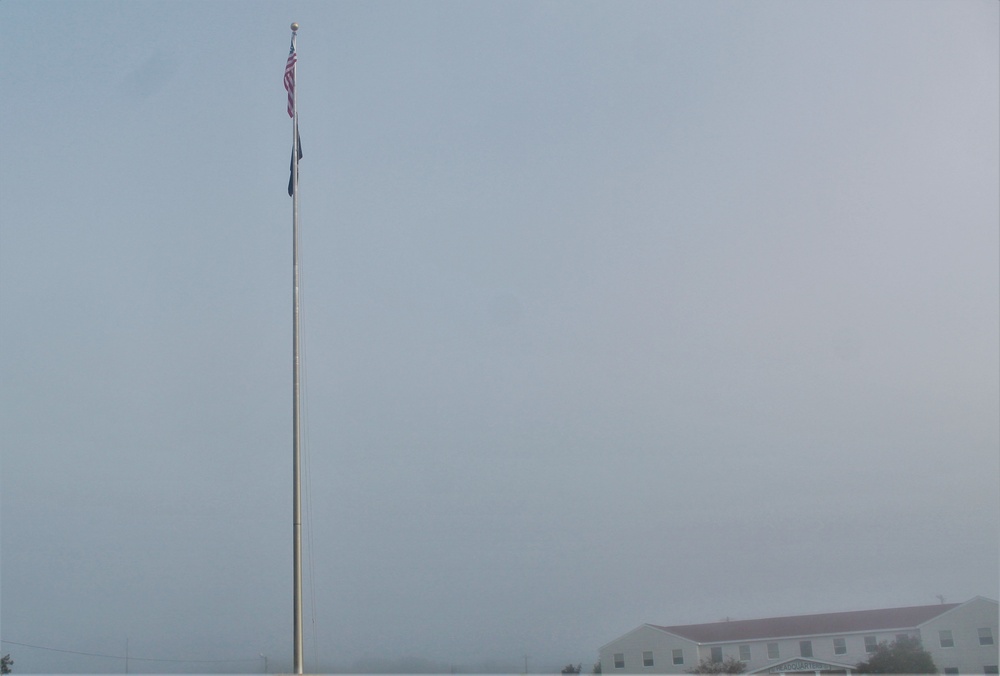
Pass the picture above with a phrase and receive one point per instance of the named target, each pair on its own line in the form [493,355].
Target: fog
[613,313]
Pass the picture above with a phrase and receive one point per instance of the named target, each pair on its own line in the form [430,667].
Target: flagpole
[296,381]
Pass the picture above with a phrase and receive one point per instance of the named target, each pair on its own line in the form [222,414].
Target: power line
[59,650]
[121,657]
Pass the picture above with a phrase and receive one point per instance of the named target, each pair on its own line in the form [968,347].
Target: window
[806,648]
[717,654]
[772,651]
[840,646]
[991,669]
[647,658]
[951,670]
[619,660]
[902,637]
[947,641]
[985,636]
[678,656]
[871,644]
[745,653]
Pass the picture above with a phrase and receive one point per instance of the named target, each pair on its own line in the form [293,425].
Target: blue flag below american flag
[291,165]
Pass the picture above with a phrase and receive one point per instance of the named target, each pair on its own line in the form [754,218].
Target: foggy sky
[613,313]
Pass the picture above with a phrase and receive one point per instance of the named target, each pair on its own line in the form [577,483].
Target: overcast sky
[614,312]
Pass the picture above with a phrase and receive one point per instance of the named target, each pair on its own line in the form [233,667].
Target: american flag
[290,80]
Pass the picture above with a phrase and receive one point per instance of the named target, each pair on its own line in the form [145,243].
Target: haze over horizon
[613,313]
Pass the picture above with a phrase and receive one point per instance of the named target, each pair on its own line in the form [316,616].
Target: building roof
[808,625]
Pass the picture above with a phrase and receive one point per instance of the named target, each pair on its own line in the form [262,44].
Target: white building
[961,637]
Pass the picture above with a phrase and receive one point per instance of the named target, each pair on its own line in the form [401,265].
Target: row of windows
[647,658]
[948,641]
[805,648]
[987,669]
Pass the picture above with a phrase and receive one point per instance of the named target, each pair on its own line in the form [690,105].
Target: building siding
[648,638]
[968,656]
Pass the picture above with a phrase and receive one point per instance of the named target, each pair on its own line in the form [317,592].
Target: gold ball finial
[295,27]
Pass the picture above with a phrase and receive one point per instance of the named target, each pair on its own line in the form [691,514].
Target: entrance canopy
[802,665]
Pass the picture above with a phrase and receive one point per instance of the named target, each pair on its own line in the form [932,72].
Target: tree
[597,668]
[5,663]
[730,665]
[905,655]
[570,669]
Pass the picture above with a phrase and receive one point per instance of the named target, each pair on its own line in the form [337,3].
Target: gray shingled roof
[808,625]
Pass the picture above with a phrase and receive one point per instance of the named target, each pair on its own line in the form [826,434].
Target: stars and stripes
[290,79]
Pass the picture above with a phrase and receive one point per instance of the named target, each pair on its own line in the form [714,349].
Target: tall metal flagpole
[296,382]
